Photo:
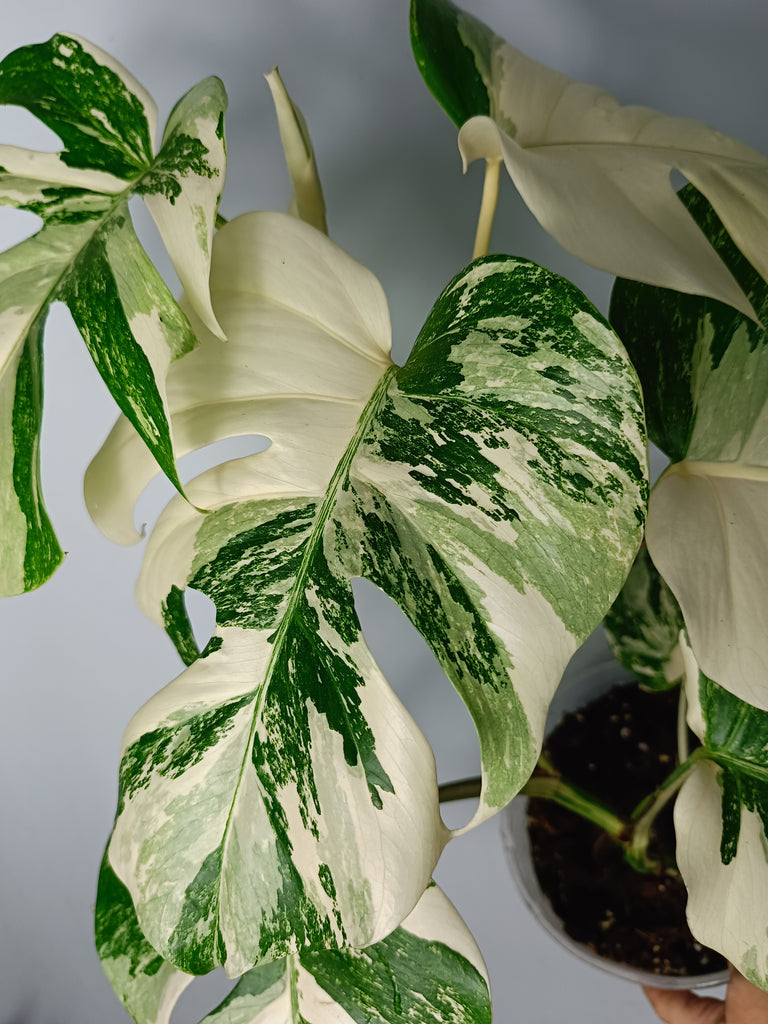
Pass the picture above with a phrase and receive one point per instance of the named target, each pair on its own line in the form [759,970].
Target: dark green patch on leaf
[129,961]
[42,553]
[666,332]
[402,978]
[178,627]
[93,295]
[180,156]
[171,750]
[101,123]
[449,64]
[253,570]
[737,736]
[201,901]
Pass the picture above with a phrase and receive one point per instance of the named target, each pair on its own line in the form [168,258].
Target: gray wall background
[78,658]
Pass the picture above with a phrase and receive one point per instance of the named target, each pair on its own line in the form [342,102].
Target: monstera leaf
[721,821]
[704,369]
[276,797]
[87,255]
[428,971]
[596,175]
[643,627]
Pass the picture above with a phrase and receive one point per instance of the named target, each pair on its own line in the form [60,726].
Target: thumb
[682,1007]
[745,1002]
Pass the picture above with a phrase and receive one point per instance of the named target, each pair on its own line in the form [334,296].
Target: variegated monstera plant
[278,810]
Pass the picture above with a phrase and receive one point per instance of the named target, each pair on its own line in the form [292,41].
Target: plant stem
[576,800]
[549,787]
[487,207]
[461,790]
[634,835]
[647,811]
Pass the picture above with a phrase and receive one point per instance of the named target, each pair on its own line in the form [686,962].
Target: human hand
[744,1004]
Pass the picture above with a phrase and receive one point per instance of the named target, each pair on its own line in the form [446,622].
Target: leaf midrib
[739,764]
[298,588]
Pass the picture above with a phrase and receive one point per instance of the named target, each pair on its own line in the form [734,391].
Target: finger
[682,1007]
[745,1002]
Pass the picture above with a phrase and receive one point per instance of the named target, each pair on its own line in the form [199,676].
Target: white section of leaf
[708,537]
[186,222]
[726,903]
[307,201]
[526,625]
[305,323]
[596,175]
[316,1005]
[694,713]
[410,765]
[286,261]
[36,171]
[148,331]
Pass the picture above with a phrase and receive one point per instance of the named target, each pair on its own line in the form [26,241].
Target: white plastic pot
[577,693]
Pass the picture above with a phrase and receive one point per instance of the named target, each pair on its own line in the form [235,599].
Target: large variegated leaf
[721,821]
[276,796]
[595,174]
[704,369]
[87,255]
[427,971]
[643,627]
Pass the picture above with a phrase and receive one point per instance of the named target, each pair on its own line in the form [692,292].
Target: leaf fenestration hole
[149,236]
[419,681]
[202,615]
[159,490]
[677,179]
[22,128]
[16,226]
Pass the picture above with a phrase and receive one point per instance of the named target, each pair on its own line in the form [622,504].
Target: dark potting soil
[619,748]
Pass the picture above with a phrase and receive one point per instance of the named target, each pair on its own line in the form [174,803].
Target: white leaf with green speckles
[427,971]
[276,795]
[87,255]
[595,174]
[721,822]
[183,187]
[307,200]
[704,370]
